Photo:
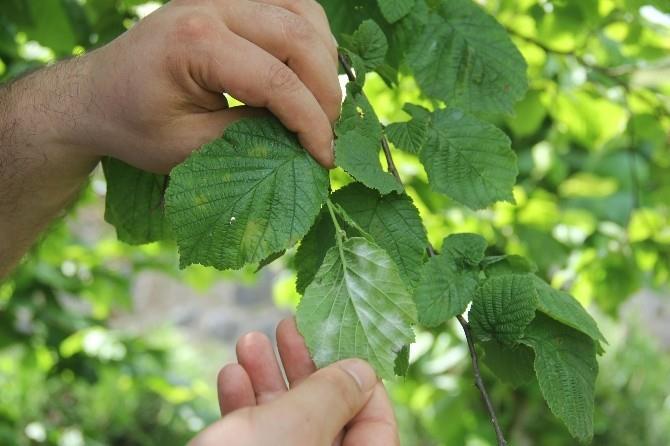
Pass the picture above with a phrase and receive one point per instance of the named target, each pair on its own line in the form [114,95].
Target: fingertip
[251,342]
[361,372]
[323,153]
[286,328]
[256,355]
[298,365]
[234,389]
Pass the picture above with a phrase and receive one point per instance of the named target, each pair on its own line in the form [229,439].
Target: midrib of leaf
[346,272]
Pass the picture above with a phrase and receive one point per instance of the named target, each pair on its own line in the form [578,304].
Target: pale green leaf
[358,155]
[444,290]
[394,10]
[468,159]
[392,221]
[245,196]
[465,57]
[566,369]
[503,307]
[566,309]
[512,364]
[134,203]
[357,306]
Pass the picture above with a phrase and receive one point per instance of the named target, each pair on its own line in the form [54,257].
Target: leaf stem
[339,233]
[346,66]
[431,252]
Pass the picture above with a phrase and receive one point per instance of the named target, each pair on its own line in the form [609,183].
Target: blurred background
[103,343]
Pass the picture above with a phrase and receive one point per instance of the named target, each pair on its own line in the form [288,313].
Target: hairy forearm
[42,163]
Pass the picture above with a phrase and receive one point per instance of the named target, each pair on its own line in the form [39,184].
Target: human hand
[343,404]
[157,89]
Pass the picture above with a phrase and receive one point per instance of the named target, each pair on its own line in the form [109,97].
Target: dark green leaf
[508,264]
[444,290]
[464,57]
[512,364]
[566,368]
[245,196]
[466,248]
[394,10]
[358,115]
[468,159]
[134,203]
[402,361]
[566,309]
[502,308]
[370,43]
[358,155]
[392,221]
[312,250]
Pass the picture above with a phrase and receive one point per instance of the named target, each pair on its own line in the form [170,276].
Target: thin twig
[389,159]
[479,382]
[431,252]
[385,144]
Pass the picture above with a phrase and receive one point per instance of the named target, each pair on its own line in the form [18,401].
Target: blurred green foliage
[593,211]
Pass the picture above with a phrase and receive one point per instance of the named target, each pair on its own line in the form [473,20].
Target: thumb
[317,409]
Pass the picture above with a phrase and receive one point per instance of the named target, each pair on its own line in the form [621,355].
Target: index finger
[257,78]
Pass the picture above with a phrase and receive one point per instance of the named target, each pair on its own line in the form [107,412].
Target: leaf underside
[357,306]
[566,369]
[134,203]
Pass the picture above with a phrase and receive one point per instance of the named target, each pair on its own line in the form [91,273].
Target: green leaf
[359,141]
[468,159]
[512,364]
[402,361]
[270,259]
[358,155]
[465,57]
[312,250]
[134,203]
[394,10]
[410,135]
[465,247]
[444,290]
[358,115]
[357,306]
[358,66]
[245,196]
[502,308]
[566,309]
[507,264]
[370,43]
[566,368]
[392,221]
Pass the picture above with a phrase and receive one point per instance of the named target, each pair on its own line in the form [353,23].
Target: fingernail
[335,40]
[362,373]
